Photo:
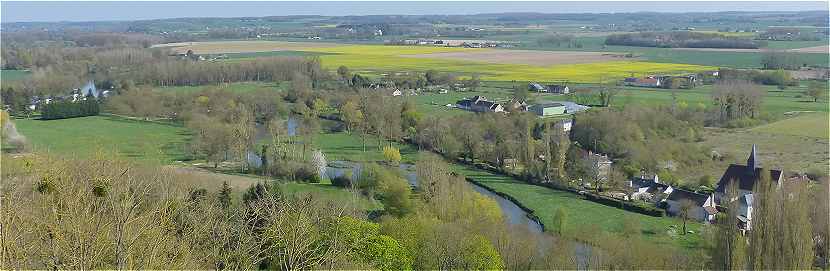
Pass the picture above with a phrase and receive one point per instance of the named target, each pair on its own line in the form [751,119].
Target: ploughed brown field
[816,49]
[243,46]
[528,57]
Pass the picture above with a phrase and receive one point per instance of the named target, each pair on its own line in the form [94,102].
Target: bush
[306,173]
[341,181]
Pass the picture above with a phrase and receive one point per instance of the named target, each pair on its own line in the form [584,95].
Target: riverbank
[585,220]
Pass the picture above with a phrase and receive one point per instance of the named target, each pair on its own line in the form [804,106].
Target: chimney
[752,162]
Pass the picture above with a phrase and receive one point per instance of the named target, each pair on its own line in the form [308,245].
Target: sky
[14,11]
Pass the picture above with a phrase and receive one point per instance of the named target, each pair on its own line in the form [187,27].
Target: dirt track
[529,57]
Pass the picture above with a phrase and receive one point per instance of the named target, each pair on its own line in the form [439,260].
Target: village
[439,136]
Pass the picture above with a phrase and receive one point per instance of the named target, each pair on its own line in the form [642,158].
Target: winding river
[514,214]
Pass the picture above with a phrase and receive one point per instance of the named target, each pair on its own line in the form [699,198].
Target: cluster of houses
[706,206]
[666,81]
[458,43]
[482,104]
[479,104]
[76,95]
[552,89]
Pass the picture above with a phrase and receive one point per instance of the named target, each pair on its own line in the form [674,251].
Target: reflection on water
[262,132]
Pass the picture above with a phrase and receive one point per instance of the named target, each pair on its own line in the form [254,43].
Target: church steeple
[752,162]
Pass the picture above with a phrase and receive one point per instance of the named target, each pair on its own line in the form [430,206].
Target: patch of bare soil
[816,49]
[529,57]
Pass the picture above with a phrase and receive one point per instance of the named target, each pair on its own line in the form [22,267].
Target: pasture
[84,137]
[805,124]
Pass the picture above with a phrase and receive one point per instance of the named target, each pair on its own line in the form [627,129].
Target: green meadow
[13,75]
[84,137]
[584,219]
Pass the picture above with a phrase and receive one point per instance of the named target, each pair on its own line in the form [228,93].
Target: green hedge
[625,205]
[68,109]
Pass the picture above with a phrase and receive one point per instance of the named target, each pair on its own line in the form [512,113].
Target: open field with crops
[815,49]
[529,57]
[380,58]
[86,136]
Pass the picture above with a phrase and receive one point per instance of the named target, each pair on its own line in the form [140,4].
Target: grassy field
[327,191]
[809,125]
[584,216]
[83,137]
[342,146]
[13,75]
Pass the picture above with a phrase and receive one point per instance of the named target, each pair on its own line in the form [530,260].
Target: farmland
[379,58]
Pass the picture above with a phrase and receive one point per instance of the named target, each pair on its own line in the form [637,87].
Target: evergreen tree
[225,195]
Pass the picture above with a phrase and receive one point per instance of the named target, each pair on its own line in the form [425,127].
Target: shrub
[392,155]
[341,181]
[306,173]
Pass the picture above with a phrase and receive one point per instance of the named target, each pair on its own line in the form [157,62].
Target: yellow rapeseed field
[378,58]
[381,58]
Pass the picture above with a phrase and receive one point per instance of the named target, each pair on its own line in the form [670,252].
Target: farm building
[571,107]
[548,109]
[558,89]
[479,104]
[536,87]
[651,81]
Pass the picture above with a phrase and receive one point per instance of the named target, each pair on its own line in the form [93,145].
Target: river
[514,214]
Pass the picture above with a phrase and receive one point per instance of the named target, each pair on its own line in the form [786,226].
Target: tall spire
[752,161]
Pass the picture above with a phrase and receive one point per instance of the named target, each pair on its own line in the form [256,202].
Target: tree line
[680,39]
